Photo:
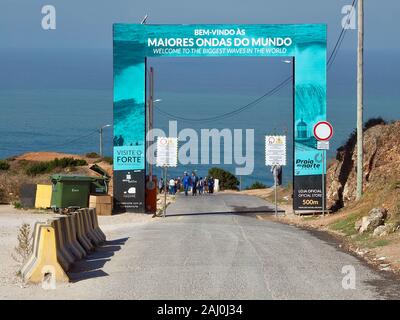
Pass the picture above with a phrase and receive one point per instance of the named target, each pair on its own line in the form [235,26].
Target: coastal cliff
[381,167]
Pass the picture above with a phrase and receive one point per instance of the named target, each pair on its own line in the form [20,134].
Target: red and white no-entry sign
[323,131]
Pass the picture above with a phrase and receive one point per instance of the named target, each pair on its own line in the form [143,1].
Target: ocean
[56,100]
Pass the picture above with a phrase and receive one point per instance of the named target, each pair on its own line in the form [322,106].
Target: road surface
[194,253]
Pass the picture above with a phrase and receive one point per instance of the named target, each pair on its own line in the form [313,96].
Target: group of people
[193,183]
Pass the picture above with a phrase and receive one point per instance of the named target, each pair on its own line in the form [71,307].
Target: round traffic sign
[323,131]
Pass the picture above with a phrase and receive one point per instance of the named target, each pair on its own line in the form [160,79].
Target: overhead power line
[270,93]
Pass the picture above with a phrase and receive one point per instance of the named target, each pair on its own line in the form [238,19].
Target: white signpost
[275,150]
[275,155]
[167,156]
[323,132]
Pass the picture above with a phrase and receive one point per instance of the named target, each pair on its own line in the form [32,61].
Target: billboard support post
[276,205]
[323,132]
[323,183]
[165,192]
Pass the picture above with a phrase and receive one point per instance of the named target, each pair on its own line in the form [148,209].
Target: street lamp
[150,127]
[101,138]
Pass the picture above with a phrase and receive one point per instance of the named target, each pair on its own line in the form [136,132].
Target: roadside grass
[378,243]
[346,224]
[310,218]
[283,195]
[365,240]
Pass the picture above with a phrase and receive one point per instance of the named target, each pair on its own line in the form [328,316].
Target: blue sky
[87,23]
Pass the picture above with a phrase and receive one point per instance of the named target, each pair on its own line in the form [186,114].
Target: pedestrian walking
[194,181]
[161,185]
[186,182]
[172,186]
[211,185]
[201,186]
[205,185]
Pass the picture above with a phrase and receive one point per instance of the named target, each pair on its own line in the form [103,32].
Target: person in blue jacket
[186,183]
[194,181]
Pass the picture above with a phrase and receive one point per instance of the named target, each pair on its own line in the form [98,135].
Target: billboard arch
[133,43]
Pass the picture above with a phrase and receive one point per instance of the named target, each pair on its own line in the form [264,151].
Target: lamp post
[150,115]
[101,138]
[151,119]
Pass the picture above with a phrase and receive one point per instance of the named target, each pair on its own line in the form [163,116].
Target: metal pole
[360,70]
[323,183]
[101,142]
[276,205]
[151,100]
[165,192]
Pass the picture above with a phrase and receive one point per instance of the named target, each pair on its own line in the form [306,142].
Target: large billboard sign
[133,43]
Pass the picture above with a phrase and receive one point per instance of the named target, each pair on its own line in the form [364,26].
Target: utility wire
[234,112]
[270,93]
[73,140]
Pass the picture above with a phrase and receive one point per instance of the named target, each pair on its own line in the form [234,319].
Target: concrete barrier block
[74,234]
[32,259]
[81,233]
[67,233]
[46,263]
[89,229]
[65,258]
[96,226]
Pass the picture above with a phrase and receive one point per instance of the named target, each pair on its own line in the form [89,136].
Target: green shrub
[108,160]
[92,155]
[256,185]
[17,205]
[48,166]
[373,122]
[4,165]
[227,181]
[38,168]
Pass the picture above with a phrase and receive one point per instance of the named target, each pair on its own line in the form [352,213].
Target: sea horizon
[41,114]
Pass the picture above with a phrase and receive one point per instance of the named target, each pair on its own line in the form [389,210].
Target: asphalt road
[196,254]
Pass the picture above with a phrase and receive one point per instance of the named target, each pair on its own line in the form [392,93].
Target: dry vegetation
[36,168]
[23,250]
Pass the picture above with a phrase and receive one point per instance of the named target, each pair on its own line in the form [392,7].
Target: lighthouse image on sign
[303,137]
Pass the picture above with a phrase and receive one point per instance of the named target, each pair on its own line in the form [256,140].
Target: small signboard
[323,145]
[323,131]
[167,152]
[275,150]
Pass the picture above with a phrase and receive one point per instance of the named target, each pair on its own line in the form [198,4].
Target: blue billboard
[306,43]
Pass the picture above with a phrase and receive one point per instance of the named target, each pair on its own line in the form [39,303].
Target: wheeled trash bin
[69,191]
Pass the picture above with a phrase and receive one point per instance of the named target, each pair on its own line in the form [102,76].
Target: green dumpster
[70,191]
[99,186]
